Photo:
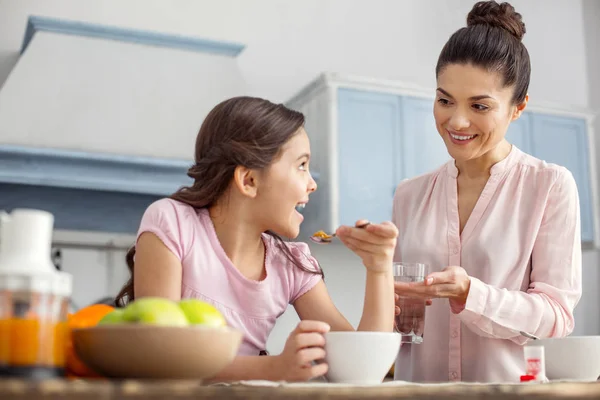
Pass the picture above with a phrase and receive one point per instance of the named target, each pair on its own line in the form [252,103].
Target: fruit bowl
[139,351]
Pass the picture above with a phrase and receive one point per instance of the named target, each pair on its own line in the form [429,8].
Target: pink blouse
[521,247]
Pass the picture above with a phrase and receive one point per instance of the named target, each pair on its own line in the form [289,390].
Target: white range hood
[111,90]
[97,121]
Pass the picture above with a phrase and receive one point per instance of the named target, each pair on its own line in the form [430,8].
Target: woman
[500,227]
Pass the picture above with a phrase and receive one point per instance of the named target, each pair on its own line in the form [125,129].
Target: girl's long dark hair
[242,131]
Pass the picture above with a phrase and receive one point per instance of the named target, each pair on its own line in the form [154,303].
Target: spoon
[529,335]
[322,237]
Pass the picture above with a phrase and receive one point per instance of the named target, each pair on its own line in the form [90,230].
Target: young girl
[218,241]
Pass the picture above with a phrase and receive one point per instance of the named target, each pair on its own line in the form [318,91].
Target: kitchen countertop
[13,389]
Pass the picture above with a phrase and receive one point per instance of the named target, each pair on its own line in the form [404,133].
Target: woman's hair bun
[501,15]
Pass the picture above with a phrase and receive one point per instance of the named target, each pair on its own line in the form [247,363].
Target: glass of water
[411,321]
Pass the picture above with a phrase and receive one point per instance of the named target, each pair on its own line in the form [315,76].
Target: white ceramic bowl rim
[571,337]
[362,333]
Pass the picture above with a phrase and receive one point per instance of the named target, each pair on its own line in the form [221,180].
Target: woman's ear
[246,181]
[520,108]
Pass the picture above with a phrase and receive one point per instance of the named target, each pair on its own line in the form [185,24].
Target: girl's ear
[246,181]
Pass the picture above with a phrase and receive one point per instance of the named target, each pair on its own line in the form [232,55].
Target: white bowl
[572,357]
[360,357]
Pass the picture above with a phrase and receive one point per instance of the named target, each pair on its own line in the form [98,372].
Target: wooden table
[14,389]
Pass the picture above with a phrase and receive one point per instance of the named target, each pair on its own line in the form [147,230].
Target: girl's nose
[312,185]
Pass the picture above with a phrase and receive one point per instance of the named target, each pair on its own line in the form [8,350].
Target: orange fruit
[84,318]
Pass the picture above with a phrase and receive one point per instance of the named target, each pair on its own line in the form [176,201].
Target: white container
[34,297]
[535,361]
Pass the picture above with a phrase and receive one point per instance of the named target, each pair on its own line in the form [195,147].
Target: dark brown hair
[242,131]
[492,40]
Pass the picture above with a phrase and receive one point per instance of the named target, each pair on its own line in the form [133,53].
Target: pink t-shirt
[521,247]
[209,275]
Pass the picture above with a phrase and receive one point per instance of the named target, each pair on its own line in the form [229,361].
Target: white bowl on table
[360,357]
[571,357]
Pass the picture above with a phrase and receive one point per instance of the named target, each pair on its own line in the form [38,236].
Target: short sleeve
[302,281]
[161,218]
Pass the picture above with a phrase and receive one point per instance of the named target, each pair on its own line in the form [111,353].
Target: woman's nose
[459,121]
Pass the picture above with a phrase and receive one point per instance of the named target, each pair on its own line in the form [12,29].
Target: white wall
[290,42]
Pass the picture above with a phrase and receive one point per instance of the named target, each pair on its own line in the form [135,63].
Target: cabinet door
[519,133]
[423,149]
[368,143]
[563,141]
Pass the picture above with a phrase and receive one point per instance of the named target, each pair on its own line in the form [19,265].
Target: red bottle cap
[527,378]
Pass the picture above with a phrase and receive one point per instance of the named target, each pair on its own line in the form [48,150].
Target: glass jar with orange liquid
[34,298]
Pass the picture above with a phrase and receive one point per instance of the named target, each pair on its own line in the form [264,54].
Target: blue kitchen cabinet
[369,149]
[423,149]
[563,141]
[519,133]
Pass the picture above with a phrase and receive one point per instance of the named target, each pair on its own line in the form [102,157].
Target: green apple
[199,312]
[113,317]
[155,311]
